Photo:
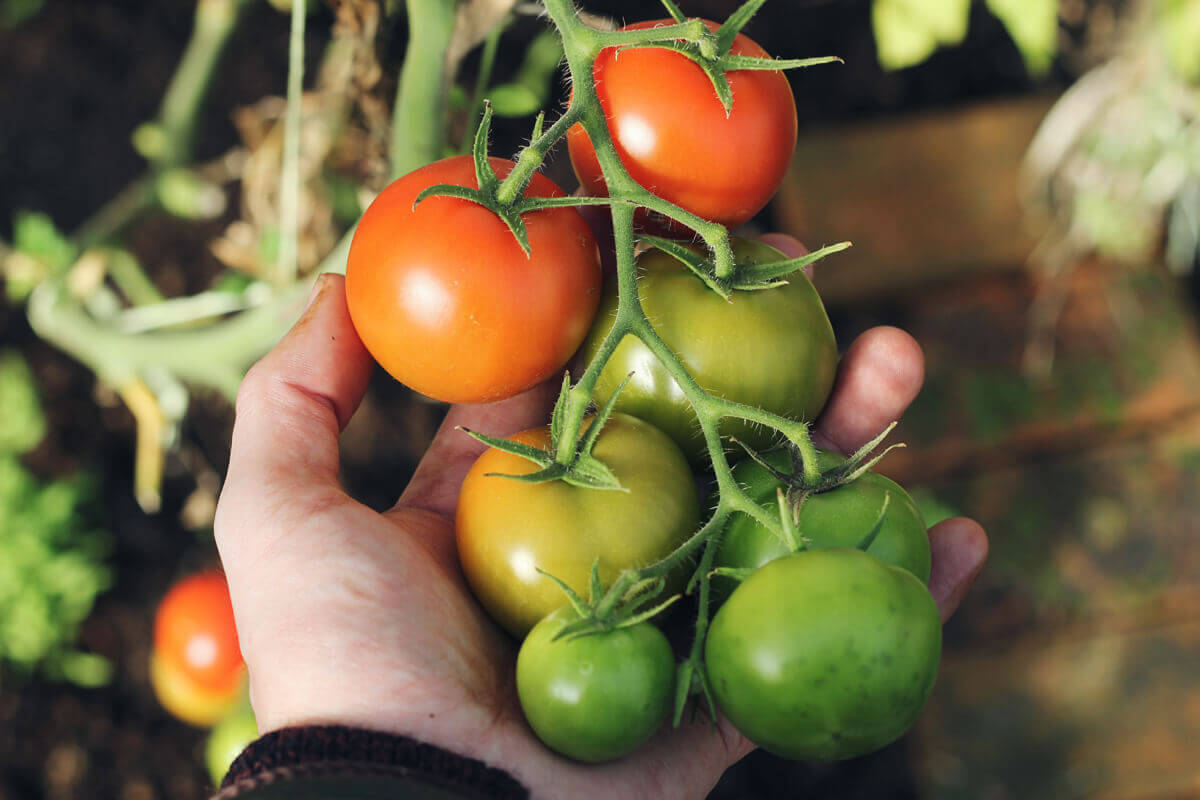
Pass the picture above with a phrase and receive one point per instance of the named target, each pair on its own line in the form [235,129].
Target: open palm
[351,617]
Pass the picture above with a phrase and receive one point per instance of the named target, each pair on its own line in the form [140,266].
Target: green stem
[487,62]
[531,157]
[215,23]
[419,119]
[289,191]
[692,31]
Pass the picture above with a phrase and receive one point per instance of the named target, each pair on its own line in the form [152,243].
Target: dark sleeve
[339,763]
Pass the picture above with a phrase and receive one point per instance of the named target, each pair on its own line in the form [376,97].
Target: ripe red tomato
[446,300]
[194,634]
[671,132]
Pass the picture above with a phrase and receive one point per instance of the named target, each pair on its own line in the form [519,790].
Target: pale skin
[352,617]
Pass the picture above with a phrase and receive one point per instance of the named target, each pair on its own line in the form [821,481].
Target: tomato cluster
[828,646]
[196,666]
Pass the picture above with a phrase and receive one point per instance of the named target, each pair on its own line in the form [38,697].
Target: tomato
[194,633]
[507,529]
[672,135]
[595,697]
[841,517]
[445,299]
[772,348]
[189,701]
[824,654]
[227,740]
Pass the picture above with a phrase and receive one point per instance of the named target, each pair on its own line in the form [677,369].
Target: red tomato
[447,301]
[195,637]
[671,132]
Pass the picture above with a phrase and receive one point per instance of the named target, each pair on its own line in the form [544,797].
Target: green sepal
[590,472]
[650,613]
[732,63]
[601,419]
[534,454]
[692,680]
[697,263]
[752,276]
[581,608]
[778,475]
[450,190]
[512,218]
[857,464]
[559,415]
[711,66]
[553,472]
[538,124]
[737,573]
[734,23]
[484,174]
[869,539]
[643,592]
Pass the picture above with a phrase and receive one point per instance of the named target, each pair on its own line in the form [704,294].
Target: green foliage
[22,424]
[529,90]
[909,31]
[15,12]
[35,235]
[1181,25]
[1033,26]
[51,566]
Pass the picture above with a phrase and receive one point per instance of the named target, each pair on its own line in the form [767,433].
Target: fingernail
[318,287]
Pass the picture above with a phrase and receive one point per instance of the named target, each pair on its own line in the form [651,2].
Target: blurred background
[1021,181]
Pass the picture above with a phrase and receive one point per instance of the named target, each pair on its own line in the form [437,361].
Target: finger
[293,404]
[435,483]
[959,548]
[878,377]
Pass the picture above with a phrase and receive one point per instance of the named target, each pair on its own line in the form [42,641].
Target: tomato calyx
[506,199]
[581,468]
[801,484]
[605,611]
[711,52]
[746,276]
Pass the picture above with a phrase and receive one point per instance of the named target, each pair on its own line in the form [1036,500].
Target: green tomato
[227,740]
[772,348]
[508,530]
[596,697]
[841,517]
[824,654]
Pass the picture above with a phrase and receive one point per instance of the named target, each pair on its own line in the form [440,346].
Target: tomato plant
[771,348]
[508,529]
[840,517]
[598,696]
[824,654]
[673,136]
[446,300]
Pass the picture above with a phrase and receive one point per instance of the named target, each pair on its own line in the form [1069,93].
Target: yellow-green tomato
[771,348]
[595,697]
[840,517]
[508,530]
[227,740]
[824,654]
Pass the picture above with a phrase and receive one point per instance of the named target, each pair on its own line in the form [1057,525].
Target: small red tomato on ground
[194,633]
[672,135]
[446,300]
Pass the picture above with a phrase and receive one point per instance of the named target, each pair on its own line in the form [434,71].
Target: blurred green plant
[52,562]
[1114,169]
[909,31]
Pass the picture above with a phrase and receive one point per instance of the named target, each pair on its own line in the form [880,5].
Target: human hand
[351,617]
